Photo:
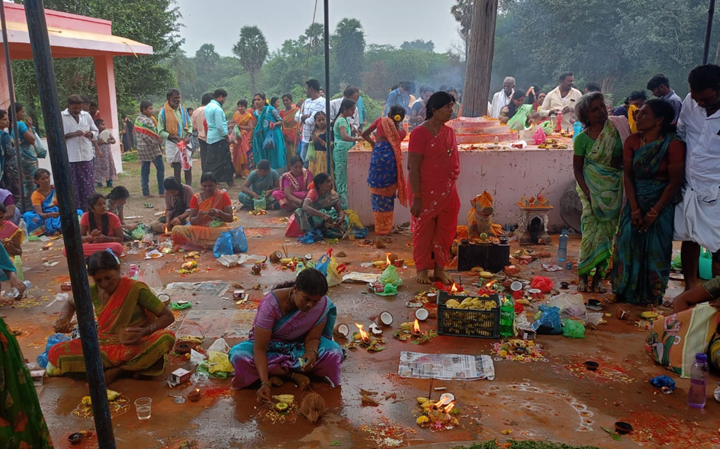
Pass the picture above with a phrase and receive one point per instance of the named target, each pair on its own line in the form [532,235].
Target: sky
[219,21]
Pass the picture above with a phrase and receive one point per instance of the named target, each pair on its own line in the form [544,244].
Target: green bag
[391,277]
[260,204]
[573,329]
[548,127]
[311,152]
[518,121]
[139,232]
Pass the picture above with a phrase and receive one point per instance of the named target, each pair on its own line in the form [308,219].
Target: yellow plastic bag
[353,219]
[217,361]
[333,276]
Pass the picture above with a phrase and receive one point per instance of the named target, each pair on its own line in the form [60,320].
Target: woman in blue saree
[654,164]
[291,338]
[45,218]
[268,141]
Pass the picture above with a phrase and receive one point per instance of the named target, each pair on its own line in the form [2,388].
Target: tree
[207,58]
[252,50]
[463,13]
[313,38]
[419,45]
[349,49]
[480,57]
[184,70]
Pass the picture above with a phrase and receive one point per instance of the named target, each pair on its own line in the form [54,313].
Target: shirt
[217,122]
[79,149]
[310,107]
[148,146]
[394,98]
[555,101]
[499,101]
[675,102]
[335,110]
[702,161]
[362,112]
[186,193]
[22,129]
[179,116]
[113,223]
[198,118]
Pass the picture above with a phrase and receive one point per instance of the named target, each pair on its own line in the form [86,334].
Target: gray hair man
[502,98]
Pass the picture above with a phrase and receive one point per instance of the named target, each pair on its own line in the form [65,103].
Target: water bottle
[716,394]
[558,123]
[698,382]
[507,318]
[23,228]
[17,261]
[562,247]
[577,129]
[133,273]
[14,293]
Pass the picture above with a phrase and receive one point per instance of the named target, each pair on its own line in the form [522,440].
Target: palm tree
[252,50]
[349,48]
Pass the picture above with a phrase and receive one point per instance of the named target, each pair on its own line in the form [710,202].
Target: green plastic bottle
[19,268]
[507,318]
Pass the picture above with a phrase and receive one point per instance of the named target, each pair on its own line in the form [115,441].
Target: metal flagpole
[326,37]
[47,87]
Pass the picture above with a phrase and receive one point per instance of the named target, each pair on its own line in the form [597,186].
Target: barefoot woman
[434,167]
[291,338]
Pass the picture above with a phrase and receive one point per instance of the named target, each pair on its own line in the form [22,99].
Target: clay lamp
[75,438]
[591,366]
[257,268]
[622,427]
[194,395]
[416,329]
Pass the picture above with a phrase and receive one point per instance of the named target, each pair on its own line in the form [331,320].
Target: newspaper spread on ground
[446,366]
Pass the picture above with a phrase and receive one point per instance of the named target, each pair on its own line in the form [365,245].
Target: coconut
[313,407]
[342,330]
[386,318]
[422,314]
[375,329]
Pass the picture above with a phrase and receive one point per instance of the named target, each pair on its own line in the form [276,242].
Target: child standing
[104,163]
[319,164]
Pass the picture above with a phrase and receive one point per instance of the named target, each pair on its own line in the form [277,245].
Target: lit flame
[449,408]
[167,231]
[416,326]
[454,288]
[490,284]
[387,259]
[363,335]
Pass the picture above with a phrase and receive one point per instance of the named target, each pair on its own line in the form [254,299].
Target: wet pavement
[555,399]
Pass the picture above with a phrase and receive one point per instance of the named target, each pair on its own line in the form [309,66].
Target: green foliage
[129,156]
[349,49]
[252,50]
[418,44]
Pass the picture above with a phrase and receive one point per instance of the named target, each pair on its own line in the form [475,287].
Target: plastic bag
[548,127]
[223,245]
[150,277]
[542,283]
[390,276]
[239,240]
[219,345]
[571,306]
[323,263]
[139,232]
[219,362]
[539,136]
[548,322]
[196,358]
[312,237]
[573,329]
[334,272]
[177,306]
[389,290]
[519,120]
[260,204]
[293,228]
[310,155]
[52,340]
[40,148]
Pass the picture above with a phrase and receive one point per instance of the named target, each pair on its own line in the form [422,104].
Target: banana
[421,401]
[285,398]
[111,395]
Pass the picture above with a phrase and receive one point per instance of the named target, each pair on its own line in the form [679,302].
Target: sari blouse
[38,199]
[146,302]
[296,326]
[296,183]
[220,200]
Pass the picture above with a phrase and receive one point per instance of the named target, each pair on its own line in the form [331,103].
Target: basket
[468,322]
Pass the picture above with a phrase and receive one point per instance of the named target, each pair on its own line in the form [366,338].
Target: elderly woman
[434,166]
[321,210]
[294,185]
[598,154]
[260,183]
[99,228]
[131,325]
[210,211]
[291,338]
[177,206]
[654,163]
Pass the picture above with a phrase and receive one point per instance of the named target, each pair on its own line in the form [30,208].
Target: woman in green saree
[596,163]
[321,210]
[654,163]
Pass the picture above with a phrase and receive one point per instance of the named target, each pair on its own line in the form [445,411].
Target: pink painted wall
[506,174]
[15,12]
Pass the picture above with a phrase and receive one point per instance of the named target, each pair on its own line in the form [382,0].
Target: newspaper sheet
[446,366]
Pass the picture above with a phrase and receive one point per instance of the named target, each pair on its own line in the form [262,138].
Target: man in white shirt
[351,93]
[697,217]
[502,98]
[80,131]
[198,125]
[562,100]
[306,115]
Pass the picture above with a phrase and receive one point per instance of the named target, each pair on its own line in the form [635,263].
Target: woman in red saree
[241,154]
[131,325]
[290,126]
[434,166]
[210,212]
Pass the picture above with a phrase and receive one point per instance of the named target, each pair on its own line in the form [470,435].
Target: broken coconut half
[342,330]
[375,329]
[422,314]
[386,319]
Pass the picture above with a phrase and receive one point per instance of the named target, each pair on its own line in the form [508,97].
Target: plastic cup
[143,407]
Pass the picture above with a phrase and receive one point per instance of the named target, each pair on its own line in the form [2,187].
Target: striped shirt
[310,107]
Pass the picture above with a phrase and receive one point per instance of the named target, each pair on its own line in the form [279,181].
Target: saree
[599,224]
[241,154]
[340,154]
[299,187]
[287,344]
[260,186]
[641,264]
[4,194]
[386,178]
[325,203]
[319,164]
[37,225]
[435,229]
[290,131]
[263,135]
[9,173]
[22,424]
[193,236]
[123,310]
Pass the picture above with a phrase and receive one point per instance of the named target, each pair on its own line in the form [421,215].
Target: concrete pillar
[107,101]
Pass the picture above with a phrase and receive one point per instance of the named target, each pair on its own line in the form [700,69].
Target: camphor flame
[490,284]
[454,288]
[387,260]
[416,326]
[167,230]
[363,335]
[449,407]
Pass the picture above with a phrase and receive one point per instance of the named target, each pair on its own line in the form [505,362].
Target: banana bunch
[111,395]
[471,303]
[285,398]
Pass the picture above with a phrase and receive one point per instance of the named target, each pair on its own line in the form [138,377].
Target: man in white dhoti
[697,217]
[502,98]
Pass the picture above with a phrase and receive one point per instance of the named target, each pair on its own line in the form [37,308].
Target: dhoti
[697,219]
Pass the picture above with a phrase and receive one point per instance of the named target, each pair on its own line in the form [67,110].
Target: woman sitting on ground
[131,325]
[12,212]
[294,185]
[321,210]
[99,228]
[177,206]
[291,338]
[10,235]
[210,211]
[261,182]
[115,202]
[46,216]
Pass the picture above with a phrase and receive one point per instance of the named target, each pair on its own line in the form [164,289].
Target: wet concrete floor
[555,400]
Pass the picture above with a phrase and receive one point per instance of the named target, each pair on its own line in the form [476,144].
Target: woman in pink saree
[294,185]
[434,166]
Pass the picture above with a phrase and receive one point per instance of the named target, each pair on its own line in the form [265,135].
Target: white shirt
[499,101]
[702,161]
[310,107]
[79,149]
[555,101]
[354,121]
